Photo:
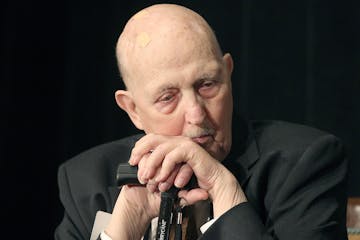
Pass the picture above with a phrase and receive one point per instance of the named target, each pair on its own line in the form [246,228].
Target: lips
[201,136]
[202,140]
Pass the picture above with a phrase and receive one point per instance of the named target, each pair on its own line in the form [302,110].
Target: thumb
[192,196]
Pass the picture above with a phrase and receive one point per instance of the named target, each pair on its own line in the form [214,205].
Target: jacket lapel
[244,151]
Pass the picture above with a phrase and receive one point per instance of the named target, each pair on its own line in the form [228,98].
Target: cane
[127,175]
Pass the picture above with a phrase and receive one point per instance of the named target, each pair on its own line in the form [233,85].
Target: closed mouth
[203,139]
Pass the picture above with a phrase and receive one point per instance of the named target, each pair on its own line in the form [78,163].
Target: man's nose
[195,112]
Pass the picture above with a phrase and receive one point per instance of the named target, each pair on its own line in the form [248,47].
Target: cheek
[222,119]
[221,111]
[163,124]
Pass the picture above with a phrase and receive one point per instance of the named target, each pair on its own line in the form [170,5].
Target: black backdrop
[294,60]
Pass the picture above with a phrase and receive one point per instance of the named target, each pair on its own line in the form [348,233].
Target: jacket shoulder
[87,184]
[281,135]
[100,162]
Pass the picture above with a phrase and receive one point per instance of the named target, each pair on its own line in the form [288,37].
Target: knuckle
[167,158]
[188,144]
[150,136]
[160,148]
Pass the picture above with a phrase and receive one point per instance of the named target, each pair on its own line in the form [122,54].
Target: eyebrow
[214,73]
[164,87]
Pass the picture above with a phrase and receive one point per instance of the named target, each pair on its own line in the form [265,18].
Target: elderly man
[256,180]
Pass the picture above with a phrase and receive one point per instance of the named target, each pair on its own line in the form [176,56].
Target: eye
[166,98]
[208,88]
[167,102]
[207,84]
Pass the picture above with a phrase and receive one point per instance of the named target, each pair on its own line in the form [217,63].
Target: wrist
[226,194]
[128,221]
[126,228]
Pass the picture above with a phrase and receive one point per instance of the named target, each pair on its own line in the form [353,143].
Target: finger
[141,170]
[197,158]
[155,159]
[143,146]
[184,175]
[192,196]
[176,156]
[166,185]
[152,186]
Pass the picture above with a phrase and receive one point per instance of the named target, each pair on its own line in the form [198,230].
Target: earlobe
[124,100]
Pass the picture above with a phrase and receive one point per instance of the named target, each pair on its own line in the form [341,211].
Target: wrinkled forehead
[181,56]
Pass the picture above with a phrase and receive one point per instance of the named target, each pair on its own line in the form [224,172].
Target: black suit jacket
[293,176]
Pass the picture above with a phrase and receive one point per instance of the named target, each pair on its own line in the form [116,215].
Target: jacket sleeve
[309,202]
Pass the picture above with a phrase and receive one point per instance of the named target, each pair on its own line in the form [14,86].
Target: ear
[125,101]
[229,63]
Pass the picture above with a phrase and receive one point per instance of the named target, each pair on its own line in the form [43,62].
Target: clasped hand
[164,161]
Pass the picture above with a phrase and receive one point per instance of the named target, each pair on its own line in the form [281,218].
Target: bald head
[160,36]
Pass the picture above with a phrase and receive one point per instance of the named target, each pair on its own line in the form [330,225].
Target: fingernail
[164,186]
[179,182]
[131,160]
[183,202]
[143,180]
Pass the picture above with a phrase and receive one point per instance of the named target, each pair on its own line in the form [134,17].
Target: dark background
[294,60]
